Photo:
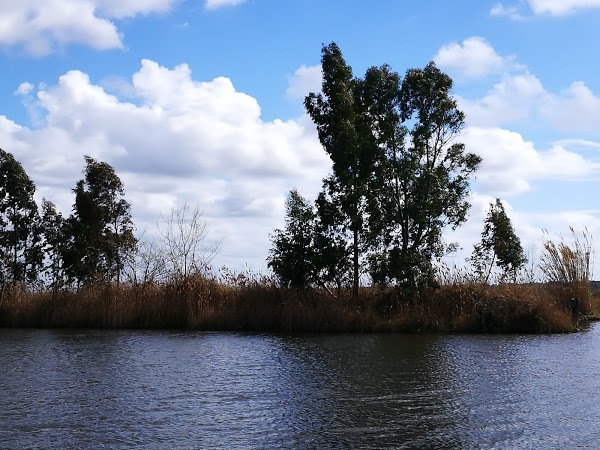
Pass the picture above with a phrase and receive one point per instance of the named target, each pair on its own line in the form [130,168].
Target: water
[155,390]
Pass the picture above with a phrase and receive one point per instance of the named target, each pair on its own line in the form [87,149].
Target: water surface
[153,390]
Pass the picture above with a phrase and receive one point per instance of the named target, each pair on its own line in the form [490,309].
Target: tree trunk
[355,264]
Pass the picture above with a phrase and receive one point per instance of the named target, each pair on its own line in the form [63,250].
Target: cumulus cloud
[474,57]
[513,165]
[519,96]
[576,108]
[512,99]
[182,140]
[24,88]
[305,79]
[41,26]
[510,163]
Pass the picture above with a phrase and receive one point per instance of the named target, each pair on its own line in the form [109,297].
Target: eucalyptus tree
[101,226]
[399,175]
[20,242]
[340,130]
[421,183]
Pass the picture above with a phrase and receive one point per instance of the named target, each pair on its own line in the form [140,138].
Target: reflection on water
[131,389]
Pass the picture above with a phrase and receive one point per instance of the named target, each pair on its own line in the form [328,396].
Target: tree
[399,176]
[184,245]
[55,238]
[499,246]
[147,265]
[421,183]
[340,130]
[292,256]
[20,241]
[101,226]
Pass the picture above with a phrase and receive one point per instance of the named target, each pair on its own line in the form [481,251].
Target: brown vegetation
[201,303]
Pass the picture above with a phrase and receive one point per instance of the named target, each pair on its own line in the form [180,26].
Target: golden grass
[201,303]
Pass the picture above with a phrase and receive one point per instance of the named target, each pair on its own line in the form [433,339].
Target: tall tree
[101,226]
[421,184]
[339,128]
[20,241]
[399,175]
[55,234]
[499,246]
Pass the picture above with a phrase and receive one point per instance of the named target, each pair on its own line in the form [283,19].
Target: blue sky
[200,101]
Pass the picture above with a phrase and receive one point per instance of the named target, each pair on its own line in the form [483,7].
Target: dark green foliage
[100,227]
[399,176]
[499,246]
[55,231]
[421,182]
[342,135]
[292,257]
[20,242]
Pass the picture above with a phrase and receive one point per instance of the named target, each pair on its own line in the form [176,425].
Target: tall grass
[253,303]
[567,267]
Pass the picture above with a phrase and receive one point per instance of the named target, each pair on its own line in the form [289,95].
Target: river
[79,389]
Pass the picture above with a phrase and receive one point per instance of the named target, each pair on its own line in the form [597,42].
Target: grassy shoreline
[199,303]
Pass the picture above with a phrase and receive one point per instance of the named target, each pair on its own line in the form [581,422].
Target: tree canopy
[499,246]
[20,229]
[399,177]
[101,229]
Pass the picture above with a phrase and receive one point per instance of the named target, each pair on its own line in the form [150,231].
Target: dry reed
[248,304]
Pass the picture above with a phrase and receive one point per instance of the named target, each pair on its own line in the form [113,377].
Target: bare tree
[185,243]
[147,264]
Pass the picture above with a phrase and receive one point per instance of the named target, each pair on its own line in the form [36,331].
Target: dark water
[160,390]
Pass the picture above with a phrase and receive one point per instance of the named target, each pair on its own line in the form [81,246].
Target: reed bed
[201,303]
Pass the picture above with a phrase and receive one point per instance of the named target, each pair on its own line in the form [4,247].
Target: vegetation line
[399,180]
[243,304]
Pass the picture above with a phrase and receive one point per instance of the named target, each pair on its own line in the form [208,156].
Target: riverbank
[198,303]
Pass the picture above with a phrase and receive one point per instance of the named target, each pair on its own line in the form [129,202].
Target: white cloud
[119,9]
[474,58]
[511,163]
[182,140]
[305,79]
[508,11]
[561,7]
[576,108]
[39,26]
[512,99]
[579,144]
[519,97]
[215,4]
[24,88]
[545,7]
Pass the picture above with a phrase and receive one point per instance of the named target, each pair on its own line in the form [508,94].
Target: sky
[201,102]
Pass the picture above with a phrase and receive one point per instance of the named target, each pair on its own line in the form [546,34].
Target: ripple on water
[132,389]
